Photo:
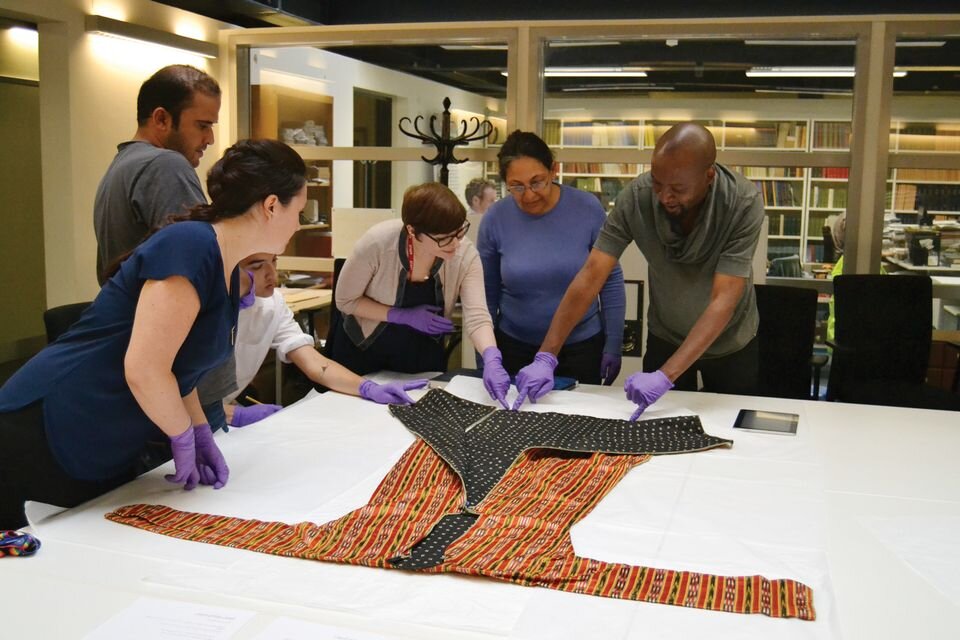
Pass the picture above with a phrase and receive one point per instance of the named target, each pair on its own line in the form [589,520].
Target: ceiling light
[104,26]
[474,47]
[807,72]
[839,43]
[582,43]
[595,72]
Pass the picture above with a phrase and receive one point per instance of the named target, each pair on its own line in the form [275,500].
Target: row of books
[842,173]
[938,197]
[780,194]
[929,175]
[779,224]
[600,134]
[828,197]
[608,168]
[831,135]
[770,172]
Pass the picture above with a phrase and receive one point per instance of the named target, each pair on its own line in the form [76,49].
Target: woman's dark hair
[520,144]
[432,208]
[248,172]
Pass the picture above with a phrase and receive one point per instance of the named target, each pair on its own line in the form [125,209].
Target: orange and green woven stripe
[519,532]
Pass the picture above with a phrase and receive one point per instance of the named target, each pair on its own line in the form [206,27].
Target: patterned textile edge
[522,535]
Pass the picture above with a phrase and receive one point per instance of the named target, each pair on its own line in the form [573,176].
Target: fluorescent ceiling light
[807,72]
[593,72]
[839,43]
[583,43]
[474,47]
[104,26]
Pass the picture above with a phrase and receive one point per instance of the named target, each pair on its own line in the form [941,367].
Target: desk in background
[858,504]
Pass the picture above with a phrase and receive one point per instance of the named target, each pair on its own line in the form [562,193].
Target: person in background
[480,194]
[74,419]
[838,230]
[154,174]
[265,322]
[397,290]
[697,223]
[532,245]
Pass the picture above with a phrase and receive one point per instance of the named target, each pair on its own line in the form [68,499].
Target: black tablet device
[767,421]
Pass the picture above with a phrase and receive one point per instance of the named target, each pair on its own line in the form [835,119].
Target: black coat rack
[442,140]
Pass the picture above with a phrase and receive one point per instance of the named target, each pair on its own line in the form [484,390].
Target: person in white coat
[266,323]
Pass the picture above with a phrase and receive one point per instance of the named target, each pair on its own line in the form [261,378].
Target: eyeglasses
[444,241]
[536,185]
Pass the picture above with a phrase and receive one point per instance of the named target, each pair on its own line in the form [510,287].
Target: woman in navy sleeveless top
[75,419]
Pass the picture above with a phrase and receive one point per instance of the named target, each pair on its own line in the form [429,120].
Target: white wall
[88,88]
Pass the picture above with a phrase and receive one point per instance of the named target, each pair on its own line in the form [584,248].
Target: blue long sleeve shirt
[530,260]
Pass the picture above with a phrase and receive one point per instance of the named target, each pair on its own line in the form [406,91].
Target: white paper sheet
[154,619]
[290,629]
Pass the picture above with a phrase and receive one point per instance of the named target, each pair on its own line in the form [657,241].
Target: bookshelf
[798,200]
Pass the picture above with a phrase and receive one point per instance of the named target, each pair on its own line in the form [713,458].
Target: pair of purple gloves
[536,379]
[389,393]
[197,459]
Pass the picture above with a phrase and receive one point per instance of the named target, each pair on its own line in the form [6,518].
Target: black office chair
[882,341]
[58,319]
[787,326]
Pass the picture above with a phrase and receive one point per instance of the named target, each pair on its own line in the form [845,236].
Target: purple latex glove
[243,416]
[423,318]
[391,392]
[210,463]
[646,388]
[496,380]
[247,300]
[184,451]
[610,367]
[536,379]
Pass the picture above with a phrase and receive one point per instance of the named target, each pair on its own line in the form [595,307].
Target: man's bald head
[689,140]
[682,169]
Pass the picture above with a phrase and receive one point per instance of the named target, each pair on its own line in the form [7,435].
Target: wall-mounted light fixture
[118,29]
[807,72]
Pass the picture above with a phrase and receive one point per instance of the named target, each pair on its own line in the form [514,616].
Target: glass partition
[619,95]
[922,221]
[342,107]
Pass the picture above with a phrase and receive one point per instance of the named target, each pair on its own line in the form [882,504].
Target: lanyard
[410,261]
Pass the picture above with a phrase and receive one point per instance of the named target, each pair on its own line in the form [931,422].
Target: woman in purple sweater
[532,245]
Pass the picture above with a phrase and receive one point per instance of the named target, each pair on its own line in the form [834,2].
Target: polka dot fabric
[481,442]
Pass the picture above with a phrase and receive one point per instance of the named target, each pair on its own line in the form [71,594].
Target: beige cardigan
[377,269]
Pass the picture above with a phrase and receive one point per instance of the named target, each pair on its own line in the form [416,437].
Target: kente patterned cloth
[494,493]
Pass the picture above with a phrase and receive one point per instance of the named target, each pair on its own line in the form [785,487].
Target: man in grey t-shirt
[697,223]
[154,174]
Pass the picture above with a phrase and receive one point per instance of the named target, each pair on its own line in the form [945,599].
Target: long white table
[863,505]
